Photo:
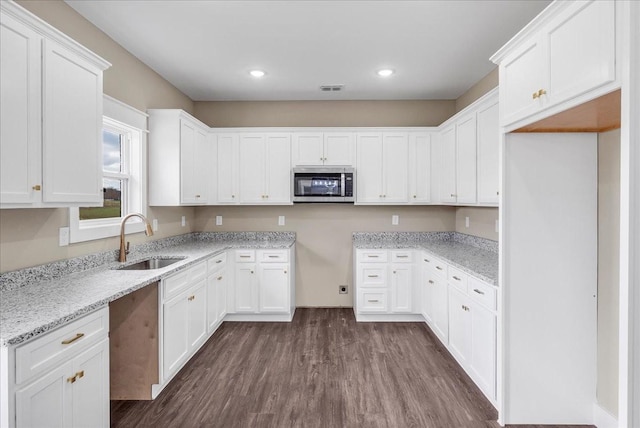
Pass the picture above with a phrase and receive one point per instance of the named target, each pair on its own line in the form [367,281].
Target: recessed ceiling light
[257,73]
[385,72]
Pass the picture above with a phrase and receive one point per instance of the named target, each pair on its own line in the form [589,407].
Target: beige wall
[483,86]
[608,268]
[29,237]
[323,238]
[324,113]
[482,221]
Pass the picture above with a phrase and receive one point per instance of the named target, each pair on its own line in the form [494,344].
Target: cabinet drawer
[179,281]
[482,293]
[372,256]
[216,262]
[457,278]
[435,265]
[49,350]
[372,275]
[372,300]
[273,256]
[402,256]
[245,256]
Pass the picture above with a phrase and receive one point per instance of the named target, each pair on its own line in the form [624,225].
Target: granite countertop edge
[33,309]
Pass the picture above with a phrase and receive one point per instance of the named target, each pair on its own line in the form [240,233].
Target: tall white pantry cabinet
[51,115]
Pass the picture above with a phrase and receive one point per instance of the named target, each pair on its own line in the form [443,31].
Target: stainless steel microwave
[323,184]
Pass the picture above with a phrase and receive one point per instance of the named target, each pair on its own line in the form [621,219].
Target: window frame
[126,120]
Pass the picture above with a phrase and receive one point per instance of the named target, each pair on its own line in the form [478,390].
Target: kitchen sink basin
[154,263]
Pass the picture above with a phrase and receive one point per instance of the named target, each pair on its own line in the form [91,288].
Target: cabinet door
[459,326]
[278,169]
[466,160]
[372,300]
[581,49]
[307,149]
[483,349]
[274,287]
[521,76]
[20,107]
[252,169]
[420,168]
[197,314]
[91,388]
[175,329]
[401,288]
[440,307]
[46,402]
[369,170]
[427,295]
[395,168]
[339,148]
[72,128]
[227,180]
[192,164]
[221,293]
[216,298]
[488,155]
[448,165]
[245,281]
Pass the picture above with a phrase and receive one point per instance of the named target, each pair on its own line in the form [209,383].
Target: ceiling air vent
[331,88]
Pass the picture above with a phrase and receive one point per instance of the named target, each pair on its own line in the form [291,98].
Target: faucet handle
[126,251]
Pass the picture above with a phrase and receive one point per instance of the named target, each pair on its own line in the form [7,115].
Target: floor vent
[331,88]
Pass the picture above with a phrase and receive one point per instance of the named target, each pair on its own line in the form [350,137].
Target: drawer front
[216,262]
[402,256]
[57,346]
[483,293]
[372,256]
[245,256]
[373,275]
[437,266]
[457,278]
[197,272]
[174,284]
[278,256]
[374,300]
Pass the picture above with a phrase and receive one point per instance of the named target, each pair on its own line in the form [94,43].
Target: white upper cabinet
[567,56]
[420,168]
[51,115]
[227,168]
[382,167]
[323,148]
[447,167]
[265,164]
[466,160]
[180,155]
[488,153]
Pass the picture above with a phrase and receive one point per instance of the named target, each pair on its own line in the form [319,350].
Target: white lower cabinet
[184,317]
[264,285]
[61,379]
[216,291]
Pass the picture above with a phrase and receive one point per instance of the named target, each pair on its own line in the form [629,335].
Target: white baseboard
[602,418]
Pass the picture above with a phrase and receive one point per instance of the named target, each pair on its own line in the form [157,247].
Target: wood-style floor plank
[321,370]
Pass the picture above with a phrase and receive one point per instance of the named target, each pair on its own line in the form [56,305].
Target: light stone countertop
[475,256]
[36,307]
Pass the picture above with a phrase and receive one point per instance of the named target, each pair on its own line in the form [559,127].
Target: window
[123,169]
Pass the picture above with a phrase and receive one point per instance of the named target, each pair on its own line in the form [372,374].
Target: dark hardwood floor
[321,370]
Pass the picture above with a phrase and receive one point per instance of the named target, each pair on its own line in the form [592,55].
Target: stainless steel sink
[152,263]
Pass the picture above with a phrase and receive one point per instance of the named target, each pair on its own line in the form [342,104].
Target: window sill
[102,231]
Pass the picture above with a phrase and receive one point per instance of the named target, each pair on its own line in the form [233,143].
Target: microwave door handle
[342,185]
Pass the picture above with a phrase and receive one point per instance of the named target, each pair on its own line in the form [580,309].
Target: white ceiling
[438,49]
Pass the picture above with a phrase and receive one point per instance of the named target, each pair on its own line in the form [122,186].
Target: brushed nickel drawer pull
[427,260]
[73,339]
[456,278]
[478,291]
[273,257]
[438,267]
[372,276]
[431,282]
[244,257]
[218,261]
[374,301]
[372,256]
[402,256]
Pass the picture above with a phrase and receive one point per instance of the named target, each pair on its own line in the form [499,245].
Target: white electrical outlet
[395,220]
[184,221]
[154,224]
[63,237]
[466,222]
[280,220]
[218,220]
[496,226]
